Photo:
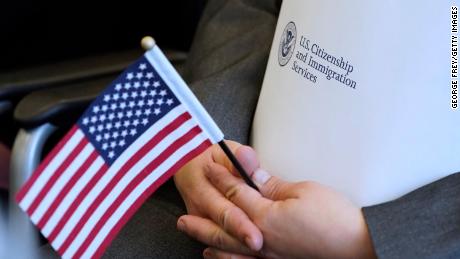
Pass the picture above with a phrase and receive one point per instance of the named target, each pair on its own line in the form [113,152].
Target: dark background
[36,32]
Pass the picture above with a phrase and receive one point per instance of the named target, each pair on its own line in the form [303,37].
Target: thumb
[247,158]
[272,187]
[244,154]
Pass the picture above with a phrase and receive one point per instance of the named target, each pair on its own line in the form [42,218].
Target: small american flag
[133,137]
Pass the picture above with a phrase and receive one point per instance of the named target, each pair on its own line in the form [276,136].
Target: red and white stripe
[80,203]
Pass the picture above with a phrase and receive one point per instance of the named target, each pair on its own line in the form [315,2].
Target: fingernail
[181,224]
[207,253]
[260,176]
[250,243]
[253,243]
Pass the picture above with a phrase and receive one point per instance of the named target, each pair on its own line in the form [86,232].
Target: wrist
[366,248]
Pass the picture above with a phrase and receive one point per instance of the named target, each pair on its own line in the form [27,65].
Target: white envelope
[383,124]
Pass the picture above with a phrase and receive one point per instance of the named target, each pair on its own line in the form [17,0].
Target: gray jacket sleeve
[225,69]
[422,224]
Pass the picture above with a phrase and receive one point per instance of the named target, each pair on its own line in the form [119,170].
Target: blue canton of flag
[144,127]
[137,99]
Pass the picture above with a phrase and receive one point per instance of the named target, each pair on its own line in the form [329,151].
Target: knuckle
[224,216]
[233,192]
[272,187]
[217,239]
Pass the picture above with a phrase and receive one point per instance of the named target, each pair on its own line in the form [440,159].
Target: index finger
[232,219]
[236,190]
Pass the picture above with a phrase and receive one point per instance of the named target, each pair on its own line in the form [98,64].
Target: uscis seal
[287,44]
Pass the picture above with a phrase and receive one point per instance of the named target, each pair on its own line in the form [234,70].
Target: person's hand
[212,212]
[297,220]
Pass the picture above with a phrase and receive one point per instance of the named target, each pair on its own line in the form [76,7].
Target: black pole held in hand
[148,43]
[237,165]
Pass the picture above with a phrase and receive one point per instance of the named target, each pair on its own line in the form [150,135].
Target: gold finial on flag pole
[148,43]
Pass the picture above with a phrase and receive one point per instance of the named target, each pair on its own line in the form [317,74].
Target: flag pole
[237,165]
[148,43]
